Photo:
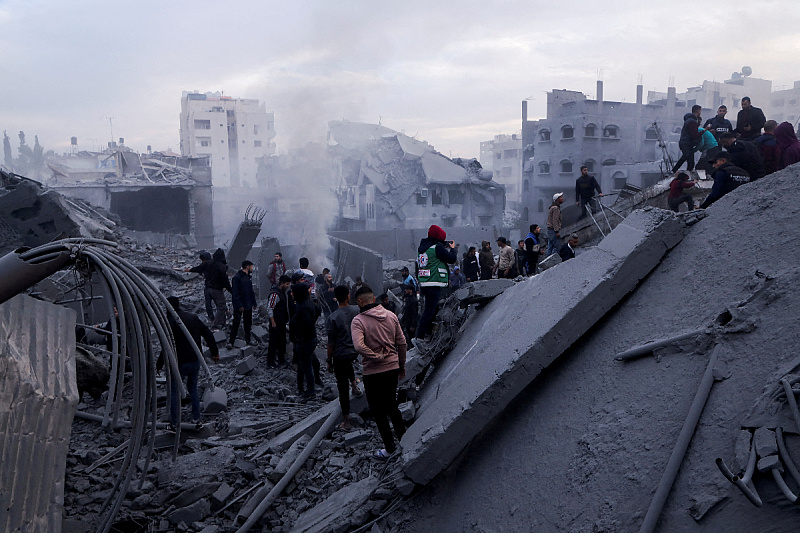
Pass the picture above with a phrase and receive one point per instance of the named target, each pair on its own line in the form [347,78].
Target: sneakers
[381,454]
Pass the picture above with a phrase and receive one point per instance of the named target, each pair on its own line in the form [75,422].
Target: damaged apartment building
[388,180]
[166,195]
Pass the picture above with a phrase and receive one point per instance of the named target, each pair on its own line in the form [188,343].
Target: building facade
[235,133]
[503,156]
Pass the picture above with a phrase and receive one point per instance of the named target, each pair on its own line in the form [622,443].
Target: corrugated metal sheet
[38,397]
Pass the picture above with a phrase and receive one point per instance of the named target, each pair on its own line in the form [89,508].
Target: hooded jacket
[218,273]
[378,338]
[790,146]
[746,155]
[242,295]
[690,134]
[770,152]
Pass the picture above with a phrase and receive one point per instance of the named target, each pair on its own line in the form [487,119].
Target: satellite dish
[735,76]
[746,71]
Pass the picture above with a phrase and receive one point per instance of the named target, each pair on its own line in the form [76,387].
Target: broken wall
[357,261]
[38,397]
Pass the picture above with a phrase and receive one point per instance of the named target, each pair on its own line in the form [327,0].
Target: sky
[453,73]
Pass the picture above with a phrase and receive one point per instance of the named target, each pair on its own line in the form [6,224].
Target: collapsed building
[387,180]
[529,414]
[163,194]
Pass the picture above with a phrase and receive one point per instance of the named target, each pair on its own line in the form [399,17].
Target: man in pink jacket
[378,337]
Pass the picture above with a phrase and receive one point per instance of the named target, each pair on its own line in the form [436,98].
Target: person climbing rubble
[341,353]
[243,299]
[278,312]
[727,177]
[378,338]
[433,273]
[676,195]
[217,286]
[188,364]
[204,268]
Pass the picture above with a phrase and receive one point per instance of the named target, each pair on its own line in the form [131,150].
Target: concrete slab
[312,423]
[239,343]
[247,366]
[549,262]
[220,336]
[342,511]
[766,442]
[356,437]
[38,397]
[482,374]
[260,333]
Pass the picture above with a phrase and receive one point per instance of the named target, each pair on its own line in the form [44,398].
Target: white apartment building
[235,132]
[503,156]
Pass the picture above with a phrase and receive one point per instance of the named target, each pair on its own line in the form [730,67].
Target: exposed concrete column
[639,94]
[38,397]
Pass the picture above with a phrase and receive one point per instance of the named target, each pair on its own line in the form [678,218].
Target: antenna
[111,125]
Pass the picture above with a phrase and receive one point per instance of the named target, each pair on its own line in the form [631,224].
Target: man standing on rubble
[204,268]
[585,187]
[533,248]
[278,311]
[554,224]
[341,353]
[243,299]
[470,265]
[505,259]
[217,285]
[749,121]
[486,260]
[277,268]
[188,364]
[434,256]
[303,334]
[378,338]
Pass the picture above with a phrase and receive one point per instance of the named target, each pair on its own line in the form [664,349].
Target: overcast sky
[452,73]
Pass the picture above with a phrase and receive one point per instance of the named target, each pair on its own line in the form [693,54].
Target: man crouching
[378,337]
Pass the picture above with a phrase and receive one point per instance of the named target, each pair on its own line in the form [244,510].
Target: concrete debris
[768,463]
[341,512]
[215,400]
[407,410]
[246,366]
[192,513]
[310,425]
[478,381]
[549,262]
[765,443]
[481,292]
[221,496]
[356,437]
[288,458]
[37,390]
[246,235]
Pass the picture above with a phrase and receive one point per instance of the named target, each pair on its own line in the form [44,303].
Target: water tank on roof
[73,141]
[747,71]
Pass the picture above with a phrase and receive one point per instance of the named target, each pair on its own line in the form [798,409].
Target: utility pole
[111,126]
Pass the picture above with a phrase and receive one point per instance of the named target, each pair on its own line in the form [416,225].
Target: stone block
[239,343]
[482,375]
[248,365]
[765,442]
[342,511]
[405,486]
[248,351]
[215,401]
[549,262]
[765,464]
[220,336]
[194,466]
[479,292]
[407,410]
[227,355]
[356,437]
[260,333]
[221,496]
[193,513]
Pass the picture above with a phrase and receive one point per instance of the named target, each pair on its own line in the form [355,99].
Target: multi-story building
[503,156]
[613,139]
[236,133]
[784,105]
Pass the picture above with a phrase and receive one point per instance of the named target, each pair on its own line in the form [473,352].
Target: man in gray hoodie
[378,338]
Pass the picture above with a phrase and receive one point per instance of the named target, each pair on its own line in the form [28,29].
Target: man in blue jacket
[727,177]
[244,301]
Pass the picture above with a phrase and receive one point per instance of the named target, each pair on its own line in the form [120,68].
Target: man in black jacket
[204,268]
[341,353]
[188,364]
[278,311]
[727,177]
[690,138]
[534,248]
[218,282]
[719,124]
[303,334]
[567,251]
[749,121]
[470,265]
[243,299]
[585,186]
[744,154]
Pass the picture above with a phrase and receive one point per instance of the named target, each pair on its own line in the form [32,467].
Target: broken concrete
[245,236]
[288,459]
[215,401]
[38,397]
[480,292]
[478,381]
[357,261]
[312,423]
[246,366]
[342,511]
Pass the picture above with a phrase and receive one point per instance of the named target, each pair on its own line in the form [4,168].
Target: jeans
[304,354]
[276,353]
[345,374]
[190,371]
[675,203]
[553,242]
[381,392]
[218,295]
[431,295]
[687,155]
[248,323]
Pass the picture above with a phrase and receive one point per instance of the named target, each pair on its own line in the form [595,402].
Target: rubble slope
[584,446]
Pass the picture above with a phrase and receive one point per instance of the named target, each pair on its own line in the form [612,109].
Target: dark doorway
[157,209]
